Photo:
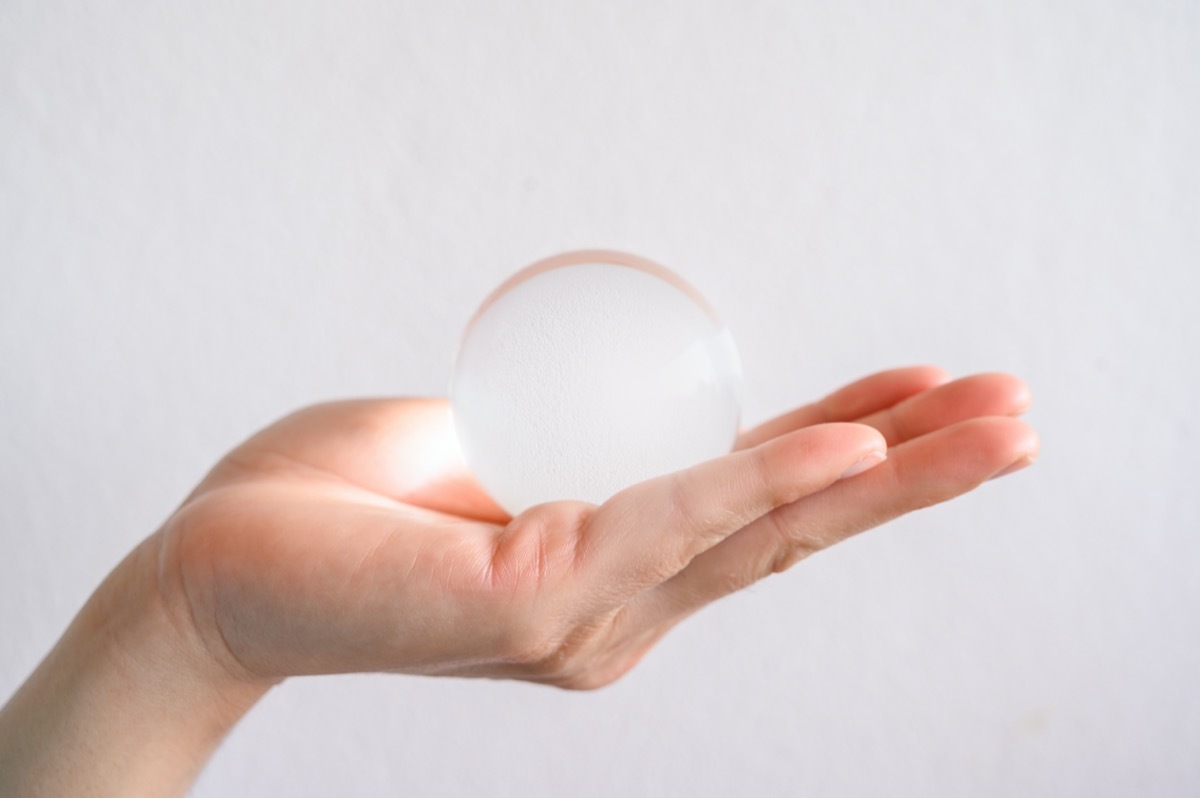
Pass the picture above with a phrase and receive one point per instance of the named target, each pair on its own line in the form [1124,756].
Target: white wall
[212,213]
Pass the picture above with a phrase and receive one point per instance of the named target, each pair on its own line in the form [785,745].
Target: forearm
[127,703]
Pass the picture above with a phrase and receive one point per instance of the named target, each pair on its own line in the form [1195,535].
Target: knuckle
[763,471]
[536,545]
[898,420]
[683,515]
[791,546]
[700,508]
[915,489]
[786,557]
[679,493]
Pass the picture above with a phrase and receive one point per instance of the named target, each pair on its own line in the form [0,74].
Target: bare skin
[349,537]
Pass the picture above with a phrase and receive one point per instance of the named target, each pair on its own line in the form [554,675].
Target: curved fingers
[652,530]
[994,394]
[925,471]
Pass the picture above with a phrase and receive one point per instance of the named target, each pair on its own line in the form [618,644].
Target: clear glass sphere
[589,372]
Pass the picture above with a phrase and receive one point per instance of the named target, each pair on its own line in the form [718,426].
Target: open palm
[350,536]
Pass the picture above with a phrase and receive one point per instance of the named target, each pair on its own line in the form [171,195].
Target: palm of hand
[350,536]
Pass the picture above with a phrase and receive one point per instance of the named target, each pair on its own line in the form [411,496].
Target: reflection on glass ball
[589,372]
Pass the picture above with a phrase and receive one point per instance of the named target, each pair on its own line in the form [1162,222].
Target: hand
[350,537]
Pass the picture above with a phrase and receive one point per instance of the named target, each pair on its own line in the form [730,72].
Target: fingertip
[1001,440]
[1015,391]
[1017,465]
[1017,434]
[1023,396]
[931,375]
[1028,440]
[867,438]
[849,448]
[1026,445]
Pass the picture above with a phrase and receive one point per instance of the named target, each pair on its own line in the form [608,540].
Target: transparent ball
[589,372]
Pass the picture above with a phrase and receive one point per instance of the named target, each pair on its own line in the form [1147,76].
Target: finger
[858,399]
[650,531]
[925,471]
[970,397]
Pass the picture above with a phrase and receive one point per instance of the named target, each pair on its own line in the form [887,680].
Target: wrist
[129,701]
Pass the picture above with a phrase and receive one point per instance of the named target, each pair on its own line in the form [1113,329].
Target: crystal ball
[588,372]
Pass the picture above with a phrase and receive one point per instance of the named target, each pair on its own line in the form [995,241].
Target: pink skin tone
[350,537]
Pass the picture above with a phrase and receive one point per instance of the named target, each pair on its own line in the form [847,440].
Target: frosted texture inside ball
[582,379]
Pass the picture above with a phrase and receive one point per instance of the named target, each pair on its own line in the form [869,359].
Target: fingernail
[1021,462]
[870,461]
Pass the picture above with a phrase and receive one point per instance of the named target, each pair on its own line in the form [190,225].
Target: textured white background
[212,213]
